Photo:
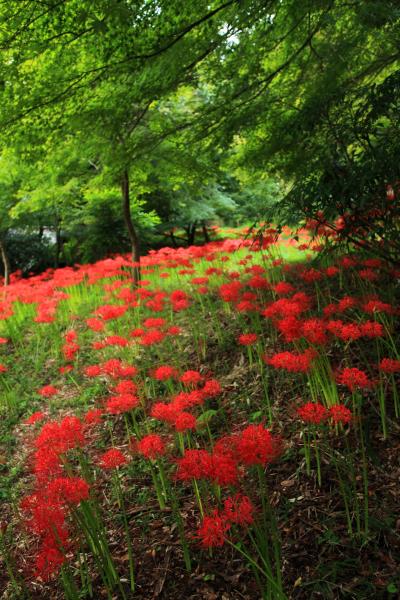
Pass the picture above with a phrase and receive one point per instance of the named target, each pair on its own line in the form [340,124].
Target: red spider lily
[3,340]
[285,307]
[179,300]
[95,324]
[70,336]
[47,464]
[239,510]
[195,464]
[311,275]
[348,331]
[122,403]
[45,512]
[226,445]
[292,362]
[212,531]
[304,300]
[283,288]
[347,262]
[368,274]
[138,332]
[94,416]
[332,271]
[335,327]
[111,311]
[34,418]
[389,365]
[42,514]
[213,271]
[92,371]
[164,412]
[112,367]
[184,421]
[372,329]
[229,292]
[186,272]
[376,305]
[354,379]
[202,289]
[3,368]
[329,309]
[346,302]
[61,436]
[257,282]
[128,371]
[153,323]
[190,378]
[155,305]
[181,401]
[224,469]
[256,445]
[277,262]
[184,400]
[48,562]
[115,340]
[126,386]
[373,263]
[44,317]
[249,296]
[112,459]
[246,306]
[211,389]
[174,330]
[142,293]
[151,446]
[115,368]
[314,331]
[98,345]
[256,269]
[48,391]
[67,490]
[313,412]
[290,327]
[247,339]
[152,337]
[165,372]
[340,414]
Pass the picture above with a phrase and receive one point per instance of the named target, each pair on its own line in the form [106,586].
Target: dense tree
[314,97]
[194,106]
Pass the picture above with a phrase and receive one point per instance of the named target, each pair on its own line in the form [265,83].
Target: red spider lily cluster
[46,509]
[238,510]
[140,356]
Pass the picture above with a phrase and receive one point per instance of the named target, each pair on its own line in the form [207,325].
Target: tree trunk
[58,244]
[133,237]
[173,240]
[6,263]
[205,233]
[191,233]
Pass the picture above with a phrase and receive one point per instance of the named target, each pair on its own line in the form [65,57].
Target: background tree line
[122,120]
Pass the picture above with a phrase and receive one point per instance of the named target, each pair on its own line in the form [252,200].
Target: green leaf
[206,416]
[256,415]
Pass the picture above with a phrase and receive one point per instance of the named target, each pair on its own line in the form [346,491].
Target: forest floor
[229,429]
